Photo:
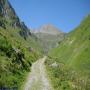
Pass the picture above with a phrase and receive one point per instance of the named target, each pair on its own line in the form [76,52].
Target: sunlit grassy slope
[16,55]
[69,64]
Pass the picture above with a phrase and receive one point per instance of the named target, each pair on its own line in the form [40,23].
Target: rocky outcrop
[8,13]
[6,10]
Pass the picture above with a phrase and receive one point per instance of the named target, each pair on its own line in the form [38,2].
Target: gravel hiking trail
[38,79]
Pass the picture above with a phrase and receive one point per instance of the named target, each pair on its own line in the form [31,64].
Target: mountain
[49,36]
[68,65]
[48,29]
[19,48]
[7,12]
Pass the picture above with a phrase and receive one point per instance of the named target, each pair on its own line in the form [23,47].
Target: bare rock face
[8,13]
[6,10]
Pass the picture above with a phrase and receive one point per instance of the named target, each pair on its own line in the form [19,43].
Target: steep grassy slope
[16,56]
[18,48]
[69,64]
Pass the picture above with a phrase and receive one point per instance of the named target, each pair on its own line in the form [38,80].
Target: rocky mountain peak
[48,29]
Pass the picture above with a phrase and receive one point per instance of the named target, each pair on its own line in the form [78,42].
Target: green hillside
[69,64]
[18,48]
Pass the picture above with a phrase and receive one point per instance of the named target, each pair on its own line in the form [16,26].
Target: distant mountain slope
[49,36]
[69,63]
[18,48]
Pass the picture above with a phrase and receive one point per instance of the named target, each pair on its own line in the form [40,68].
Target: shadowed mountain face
[6,10]
[7,13]
[49,36]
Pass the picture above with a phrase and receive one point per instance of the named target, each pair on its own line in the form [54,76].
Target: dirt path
[37,79]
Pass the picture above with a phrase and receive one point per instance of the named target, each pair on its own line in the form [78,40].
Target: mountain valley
[45,58]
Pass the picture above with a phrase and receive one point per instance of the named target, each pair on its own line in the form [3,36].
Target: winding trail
[37,79]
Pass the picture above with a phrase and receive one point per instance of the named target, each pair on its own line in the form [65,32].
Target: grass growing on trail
[37,79]
[69,64]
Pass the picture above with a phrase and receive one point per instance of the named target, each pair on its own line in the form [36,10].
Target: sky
[63,14]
